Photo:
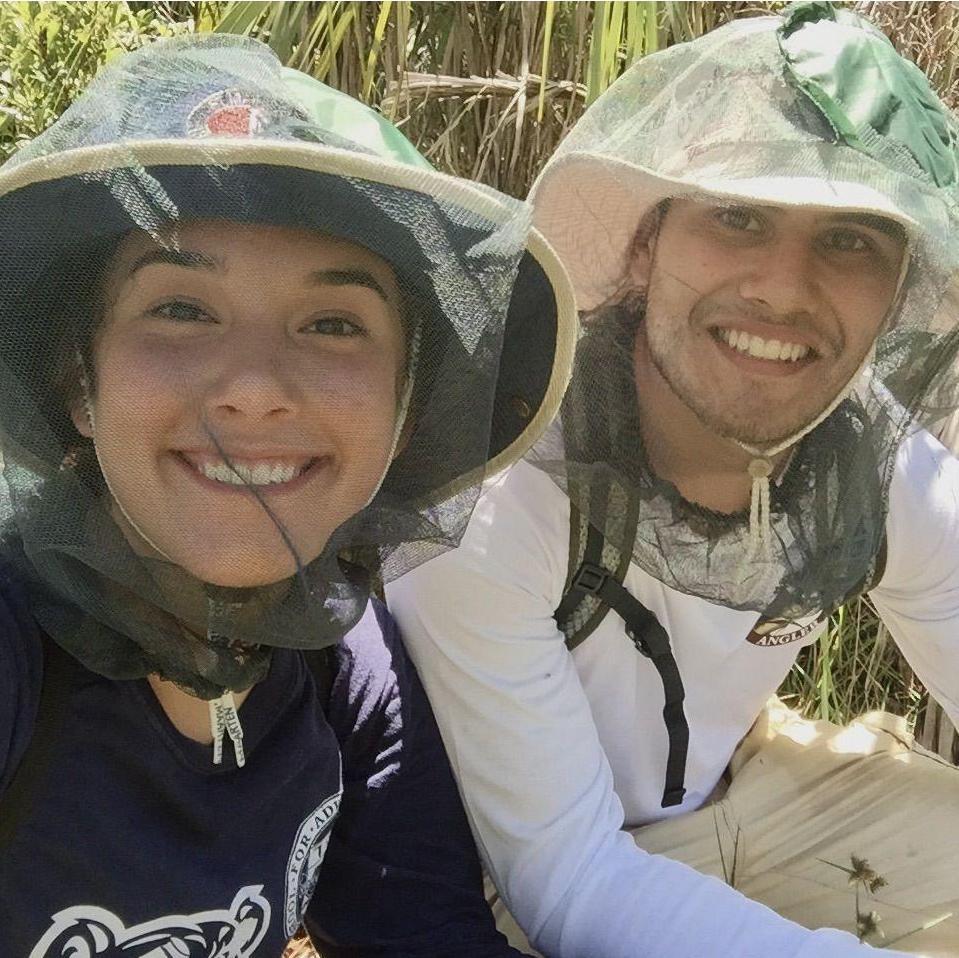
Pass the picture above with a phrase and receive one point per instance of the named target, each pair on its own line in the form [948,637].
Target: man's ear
[641,249]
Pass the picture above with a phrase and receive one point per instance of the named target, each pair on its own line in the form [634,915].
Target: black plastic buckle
[590,578]
[641,647]
[673,797]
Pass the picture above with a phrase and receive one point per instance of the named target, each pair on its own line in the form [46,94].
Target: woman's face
[278,351]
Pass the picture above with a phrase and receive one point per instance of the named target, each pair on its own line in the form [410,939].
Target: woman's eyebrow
[348,277]
[175,257]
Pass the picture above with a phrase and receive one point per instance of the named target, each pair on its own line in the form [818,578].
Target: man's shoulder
[922,522]
[518,535]
[925,475]
[519,508]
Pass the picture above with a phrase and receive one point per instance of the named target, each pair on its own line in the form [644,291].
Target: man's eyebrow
[348,277]
[873,221]
[174,257]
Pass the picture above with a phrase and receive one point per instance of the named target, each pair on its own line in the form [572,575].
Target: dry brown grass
[300,947]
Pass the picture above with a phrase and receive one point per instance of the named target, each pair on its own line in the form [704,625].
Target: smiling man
[761,227]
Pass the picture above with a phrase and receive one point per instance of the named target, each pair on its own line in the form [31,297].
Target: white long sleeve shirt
[556,751]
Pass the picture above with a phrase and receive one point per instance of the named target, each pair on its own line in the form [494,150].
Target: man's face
[283,348]
[757,317]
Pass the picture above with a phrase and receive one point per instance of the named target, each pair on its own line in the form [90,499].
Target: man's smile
[760,348]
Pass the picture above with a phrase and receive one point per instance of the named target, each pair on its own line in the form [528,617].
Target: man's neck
[706,468]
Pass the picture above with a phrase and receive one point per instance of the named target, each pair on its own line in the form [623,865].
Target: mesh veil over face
[814,115]
[212,129]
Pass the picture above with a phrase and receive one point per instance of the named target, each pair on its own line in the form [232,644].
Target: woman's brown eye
[335,326]
[181,312]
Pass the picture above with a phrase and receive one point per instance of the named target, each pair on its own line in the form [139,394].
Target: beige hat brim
[590,207]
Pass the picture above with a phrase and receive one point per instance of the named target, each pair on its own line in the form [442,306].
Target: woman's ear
[81,415]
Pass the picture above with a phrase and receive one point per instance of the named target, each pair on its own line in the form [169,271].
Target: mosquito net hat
[199,129]
[813,110]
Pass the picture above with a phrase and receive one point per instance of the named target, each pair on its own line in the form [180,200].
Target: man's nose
[782,278]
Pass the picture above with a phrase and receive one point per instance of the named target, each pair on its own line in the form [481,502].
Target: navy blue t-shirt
[134,844]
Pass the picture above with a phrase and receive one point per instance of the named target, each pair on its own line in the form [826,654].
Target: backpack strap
[58,680]
[595,588]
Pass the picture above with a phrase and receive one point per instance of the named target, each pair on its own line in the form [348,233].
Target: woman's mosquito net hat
[215,128]
[812,109]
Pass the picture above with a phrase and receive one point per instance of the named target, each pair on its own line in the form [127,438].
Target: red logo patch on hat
[231,121]
[228,113]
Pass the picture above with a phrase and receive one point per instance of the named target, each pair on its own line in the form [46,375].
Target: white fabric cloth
[556,752]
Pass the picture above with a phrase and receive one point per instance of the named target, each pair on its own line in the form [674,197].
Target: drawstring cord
[225,720]
[760,523]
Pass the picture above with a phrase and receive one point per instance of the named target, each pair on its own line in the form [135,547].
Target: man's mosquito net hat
[215,128]
[812,109]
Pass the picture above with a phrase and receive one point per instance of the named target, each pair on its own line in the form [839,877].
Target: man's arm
[401,877]
[536,783]
[918,595]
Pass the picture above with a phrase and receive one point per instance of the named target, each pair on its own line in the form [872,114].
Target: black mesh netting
[194,131]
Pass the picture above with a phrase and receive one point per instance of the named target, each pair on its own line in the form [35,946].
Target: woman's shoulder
[21,669]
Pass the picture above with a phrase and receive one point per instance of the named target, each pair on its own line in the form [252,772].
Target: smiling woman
[254,359]
[217,394]
[245,291]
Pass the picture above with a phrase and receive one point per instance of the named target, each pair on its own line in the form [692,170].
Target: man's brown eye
[844,241]
[738,219]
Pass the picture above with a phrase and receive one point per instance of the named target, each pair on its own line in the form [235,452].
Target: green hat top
[875,100]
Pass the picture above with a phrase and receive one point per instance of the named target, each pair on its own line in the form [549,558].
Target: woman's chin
[235,558]
[243,572]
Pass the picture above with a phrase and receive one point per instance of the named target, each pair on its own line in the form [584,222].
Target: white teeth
[256,474]
[762,348]
[770,348]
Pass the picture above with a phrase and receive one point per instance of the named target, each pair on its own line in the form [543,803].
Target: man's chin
[756,430]
[762,436]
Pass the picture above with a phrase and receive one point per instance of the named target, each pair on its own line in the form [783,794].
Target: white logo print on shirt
[85,931]
[303,868]
[771,633]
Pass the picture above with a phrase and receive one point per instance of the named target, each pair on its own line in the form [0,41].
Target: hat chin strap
[760,469]
[91,422]
[402,410]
